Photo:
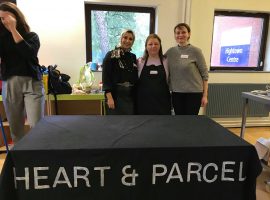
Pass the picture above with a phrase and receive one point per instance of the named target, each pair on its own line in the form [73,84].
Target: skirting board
[250,122]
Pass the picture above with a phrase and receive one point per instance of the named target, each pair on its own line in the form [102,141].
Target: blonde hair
[128,31]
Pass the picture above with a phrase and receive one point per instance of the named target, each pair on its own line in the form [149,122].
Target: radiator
[225,101]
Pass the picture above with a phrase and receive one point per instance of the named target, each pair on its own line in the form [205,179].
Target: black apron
[124,101]
[153,95]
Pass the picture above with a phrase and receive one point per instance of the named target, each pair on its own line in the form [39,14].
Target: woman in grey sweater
[188,74]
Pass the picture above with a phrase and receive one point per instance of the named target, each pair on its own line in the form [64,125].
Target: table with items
[76,104]
[263,98]
[256,97]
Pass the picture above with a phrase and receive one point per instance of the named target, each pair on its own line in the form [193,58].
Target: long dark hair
[160,53]
[22,25]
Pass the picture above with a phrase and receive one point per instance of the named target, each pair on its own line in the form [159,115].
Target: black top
[118,68]
[20,59]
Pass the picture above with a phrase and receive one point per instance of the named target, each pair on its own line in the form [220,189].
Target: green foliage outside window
[106,29]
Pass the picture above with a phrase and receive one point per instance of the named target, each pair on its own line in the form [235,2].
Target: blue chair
[4,135]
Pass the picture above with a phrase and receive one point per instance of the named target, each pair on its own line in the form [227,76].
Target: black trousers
[186,103]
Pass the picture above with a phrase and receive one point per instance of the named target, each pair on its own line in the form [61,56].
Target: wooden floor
[251,135]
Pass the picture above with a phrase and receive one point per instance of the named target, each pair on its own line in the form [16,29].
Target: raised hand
[9,21]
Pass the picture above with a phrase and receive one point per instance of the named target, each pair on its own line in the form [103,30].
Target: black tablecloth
[130,157]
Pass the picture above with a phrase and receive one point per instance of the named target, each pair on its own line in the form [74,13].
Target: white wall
[60,25]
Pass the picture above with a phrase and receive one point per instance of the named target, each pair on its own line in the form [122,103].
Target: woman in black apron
[153,95]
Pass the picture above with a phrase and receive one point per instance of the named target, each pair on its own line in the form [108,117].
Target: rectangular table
[262,99]
[130,157]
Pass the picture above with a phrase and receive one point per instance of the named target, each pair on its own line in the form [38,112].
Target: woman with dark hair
[188,74]
[153,95]
[22,90]
[119,77]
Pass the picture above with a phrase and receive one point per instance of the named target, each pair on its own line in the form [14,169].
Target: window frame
[108,7]
[262,49]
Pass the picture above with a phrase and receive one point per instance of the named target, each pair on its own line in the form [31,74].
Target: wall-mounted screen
[238,41]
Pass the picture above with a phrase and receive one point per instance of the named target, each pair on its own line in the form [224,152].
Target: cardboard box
[263,148]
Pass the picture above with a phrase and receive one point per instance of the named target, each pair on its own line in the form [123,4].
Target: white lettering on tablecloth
[57,180]
[25,178]
[37,177]
[214,178]
[197,172]
[227,171]
[102,174]
[83,177]
[131,175]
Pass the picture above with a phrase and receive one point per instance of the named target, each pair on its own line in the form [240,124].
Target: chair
[3,134]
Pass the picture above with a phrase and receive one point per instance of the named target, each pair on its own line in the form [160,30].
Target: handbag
[57,84]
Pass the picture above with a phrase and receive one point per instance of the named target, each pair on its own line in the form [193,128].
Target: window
[239,41]
[104,24]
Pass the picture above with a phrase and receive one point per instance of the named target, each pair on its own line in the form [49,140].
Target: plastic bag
[86,79]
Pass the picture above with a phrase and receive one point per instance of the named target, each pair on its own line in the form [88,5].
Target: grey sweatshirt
[187,68]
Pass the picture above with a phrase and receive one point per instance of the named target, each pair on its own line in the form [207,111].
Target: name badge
[153,72]
[184,56]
